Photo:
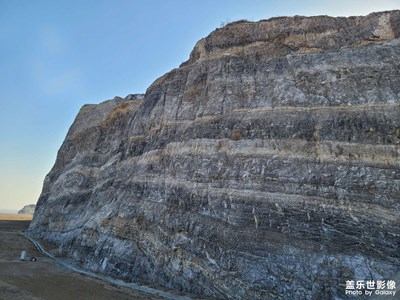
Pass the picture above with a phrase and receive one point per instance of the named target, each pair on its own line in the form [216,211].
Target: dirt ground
[15,217]
[44,278]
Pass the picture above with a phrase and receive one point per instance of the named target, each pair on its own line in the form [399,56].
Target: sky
[56,56]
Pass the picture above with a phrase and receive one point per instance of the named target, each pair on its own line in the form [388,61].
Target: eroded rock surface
[266,165]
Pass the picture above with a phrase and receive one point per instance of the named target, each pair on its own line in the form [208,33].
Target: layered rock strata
[267,165]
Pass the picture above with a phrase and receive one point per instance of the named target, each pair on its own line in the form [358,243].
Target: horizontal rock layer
[267,165]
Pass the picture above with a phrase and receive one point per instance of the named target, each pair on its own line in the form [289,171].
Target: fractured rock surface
[266,165]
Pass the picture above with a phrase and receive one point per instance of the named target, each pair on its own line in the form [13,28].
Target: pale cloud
[52,41]
[64,81]
[49,70]
[53,80]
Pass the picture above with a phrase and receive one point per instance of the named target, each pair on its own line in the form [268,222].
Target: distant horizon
[13,211]
[8,211]
[57,56]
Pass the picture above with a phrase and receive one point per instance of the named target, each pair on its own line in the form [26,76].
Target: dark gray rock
[134,97]
[267,165]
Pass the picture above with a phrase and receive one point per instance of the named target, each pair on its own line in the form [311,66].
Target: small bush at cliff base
[236,134]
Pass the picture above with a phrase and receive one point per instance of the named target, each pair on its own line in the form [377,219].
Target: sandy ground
[15,217]
[45,279]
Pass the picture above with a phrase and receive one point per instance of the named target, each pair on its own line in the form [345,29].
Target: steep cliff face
[266,165]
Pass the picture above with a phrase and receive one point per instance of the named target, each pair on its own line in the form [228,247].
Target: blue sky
[56,56]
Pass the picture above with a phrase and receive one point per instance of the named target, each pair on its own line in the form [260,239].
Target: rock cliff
[267,165]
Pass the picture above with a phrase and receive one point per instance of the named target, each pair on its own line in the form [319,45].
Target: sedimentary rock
[267,165]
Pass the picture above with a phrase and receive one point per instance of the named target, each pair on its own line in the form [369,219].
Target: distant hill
[27,209]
